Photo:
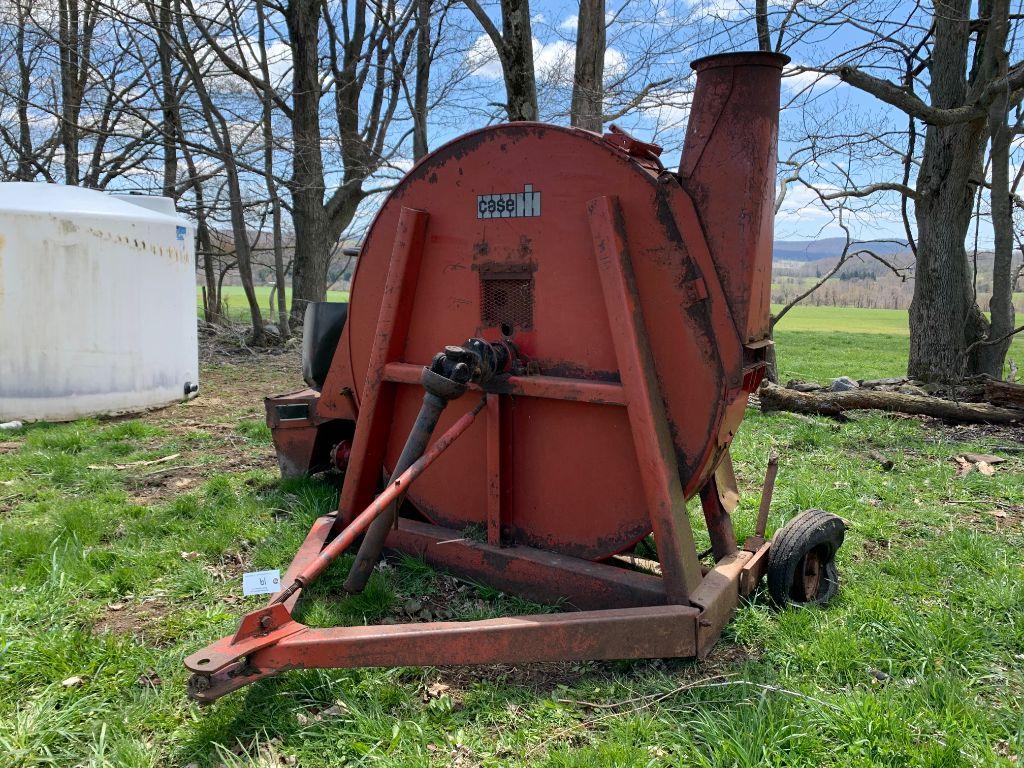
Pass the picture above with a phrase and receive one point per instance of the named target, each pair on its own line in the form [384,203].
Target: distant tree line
[864,283]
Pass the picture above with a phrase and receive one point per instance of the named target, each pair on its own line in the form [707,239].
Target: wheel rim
[809,575]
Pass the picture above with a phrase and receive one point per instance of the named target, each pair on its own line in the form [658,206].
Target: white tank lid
[39,197]
[156,203]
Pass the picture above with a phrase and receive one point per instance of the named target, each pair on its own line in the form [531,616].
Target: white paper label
[261,582]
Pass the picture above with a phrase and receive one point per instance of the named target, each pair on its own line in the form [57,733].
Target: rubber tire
[808,530]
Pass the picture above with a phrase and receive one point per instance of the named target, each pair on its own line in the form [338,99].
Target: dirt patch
[233,387]
[1006,437]
[539,677]
[133,617]
[989,515]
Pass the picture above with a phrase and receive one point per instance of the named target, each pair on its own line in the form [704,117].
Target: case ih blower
[581,327]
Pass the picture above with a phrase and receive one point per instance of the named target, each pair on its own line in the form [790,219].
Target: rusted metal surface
[308,552]
[496,524]
[544,577]
[728,166]
[394,303]
[755,568]
[655,453]
[766,494]
[810,575]
[717,596]
[293,425]
[718,520]
[697,352]
[547,387]
[626,633]
[630,305]
[395,488]
[304,436]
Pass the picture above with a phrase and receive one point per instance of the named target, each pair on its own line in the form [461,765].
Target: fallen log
[1004,393]
[834,404]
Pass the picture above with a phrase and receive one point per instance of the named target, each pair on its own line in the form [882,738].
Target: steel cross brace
[269,641]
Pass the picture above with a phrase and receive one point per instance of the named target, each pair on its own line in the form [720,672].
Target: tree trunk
[221,135]
[944,315]
[68,42]
[518,70]
[420,145]
[243,252]
[268,174]
[309,217]
[764,40]
[1005,393]
[835,404]
[587,108]
[212,309]
[25,171]
[992,356]
[168,131]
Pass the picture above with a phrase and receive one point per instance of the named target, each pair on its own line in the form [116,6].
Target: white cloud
[482,59]
[802,205]
[569,24]
[554,62]
[796,80]
[614,63]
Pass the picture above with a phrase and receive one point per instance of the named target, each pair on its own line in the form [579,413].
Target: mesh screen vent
[506,300]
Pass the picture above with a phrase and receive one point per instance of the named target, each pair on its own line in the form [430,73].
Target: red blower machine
[580,328]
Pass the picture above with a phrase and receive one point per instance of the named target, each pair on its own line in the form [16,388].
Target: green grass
[820,343]
[237,308]
[918,662]
[847,319]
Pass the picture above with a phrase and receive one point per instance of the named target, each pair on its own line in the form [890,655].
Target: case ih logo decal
[510,205]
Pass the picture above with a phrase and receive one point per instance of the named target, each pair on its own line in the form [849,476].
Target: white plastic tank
[97,303]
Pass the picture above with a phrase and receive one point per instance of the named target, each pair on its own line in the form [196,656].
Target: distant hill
[829,248]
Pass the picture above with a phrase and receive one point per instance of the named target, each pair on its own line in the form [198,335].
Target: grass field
[114,571]
[820,343]
[237,308]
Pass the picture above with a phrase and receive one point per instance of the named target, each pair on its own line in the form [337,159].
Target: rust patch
[569,370]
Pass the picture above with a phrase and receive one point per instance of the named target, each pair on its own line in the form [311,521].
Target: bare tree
[514,45]
[365,87]
[220,132]
[77,21]
[587,110]
[960,63]
[421,96]
[266,122]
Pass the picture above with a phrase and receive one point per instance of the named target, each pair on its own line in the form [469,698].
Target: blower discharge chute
[581,328]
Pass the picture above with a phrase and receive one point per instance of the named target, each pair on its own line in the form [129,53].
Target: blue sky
[673,32]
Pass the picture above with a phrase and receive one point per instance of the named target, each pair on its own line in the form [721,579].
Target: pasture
[116,569]
[237,308]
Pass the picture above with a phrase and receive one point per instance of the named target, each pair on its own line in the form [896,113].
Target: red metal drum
[509,252]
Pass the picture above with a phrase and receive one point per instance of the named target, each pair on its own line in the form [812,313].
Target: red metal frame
[625,613]
[375,410]
[655,452]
